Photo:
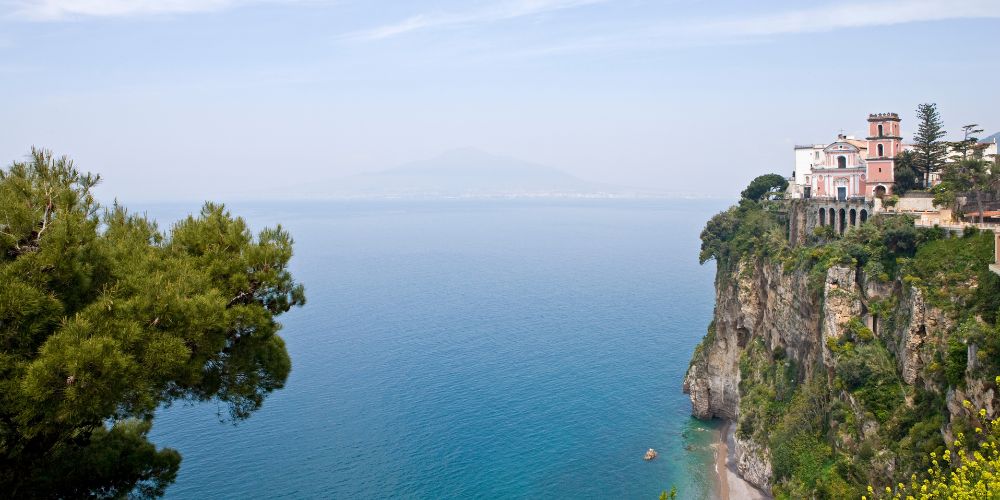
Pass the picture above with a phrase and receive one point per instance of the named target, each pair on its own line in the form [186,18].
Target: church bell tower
[884,143]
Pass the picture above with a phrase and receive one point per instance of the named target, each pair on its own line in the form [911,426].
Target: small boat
[650,454]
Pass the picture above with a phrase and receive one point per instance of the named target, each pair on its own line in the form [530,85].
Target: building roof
[858,143]
[842,141]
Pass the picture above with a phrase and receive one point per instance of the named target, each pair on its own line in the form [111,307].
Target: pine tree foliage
[765,186]
[931,151]
[104,318]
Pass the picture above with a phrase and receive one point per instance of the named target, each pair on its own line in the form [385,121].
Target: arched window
[864,216]
[843,220]
[881,149]
[880,130]
[854,217]
[822,216]
[841,162]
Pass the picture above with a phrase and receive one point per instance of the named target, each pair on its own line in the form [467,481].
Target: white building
[990,151]
[805,158]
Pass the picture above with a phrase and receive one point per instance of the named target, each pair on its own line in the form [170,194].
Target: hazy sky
[224,99]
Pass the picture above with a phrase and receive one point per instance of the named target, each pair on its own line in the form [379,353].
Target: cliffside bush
[767,384]
[969,469]
[746,229]
[866,369]
[954,275]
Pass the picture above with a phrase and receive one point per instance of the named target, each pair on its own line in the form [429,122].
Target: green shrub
[867,370]
[956,362]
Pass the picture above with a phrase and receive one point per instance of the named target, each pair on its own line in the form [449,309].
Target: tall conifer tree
[931,151]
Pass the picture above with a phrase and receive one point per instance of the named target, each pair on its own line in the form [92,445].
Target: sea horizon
[491,348]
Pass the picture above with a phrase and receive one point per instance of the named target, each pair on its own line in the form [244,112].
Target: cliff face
[767,317]
[756,301]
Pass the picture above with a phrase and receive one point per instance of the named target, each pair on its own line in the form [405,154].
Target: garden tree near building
[970,176]
[930,151]
[104,318]
[967,145]
[905,173]
[765,186]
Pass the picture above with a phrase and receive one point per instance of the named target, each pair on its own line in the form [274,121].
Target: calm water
[472,349]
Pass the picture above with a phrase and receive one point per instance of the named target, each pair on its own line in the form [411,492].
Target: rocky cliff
[838,375]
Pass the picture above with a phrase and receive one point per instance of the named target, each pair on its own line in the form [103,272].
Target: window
[841,162]
[881,149]
[880,130]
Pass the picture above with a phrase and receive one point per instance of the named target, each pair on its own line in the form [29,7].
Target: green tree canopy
[104,318]
[970,177]
[905,173]
[765,186]
[931,152]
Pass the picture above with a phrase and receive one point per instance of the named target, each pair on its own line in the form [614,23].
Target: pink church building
[850,168]
[841,173]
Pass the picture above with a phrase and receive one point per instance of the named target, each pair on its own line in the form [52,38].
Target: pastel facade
[850,168]
[841,174]
[884,143]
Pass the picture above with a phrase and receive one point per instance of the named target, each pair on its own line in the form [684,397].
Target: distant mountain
[990,138]
[470,173]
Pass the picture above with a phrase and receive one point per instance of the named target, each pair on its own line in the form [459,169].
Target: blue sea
[471,349]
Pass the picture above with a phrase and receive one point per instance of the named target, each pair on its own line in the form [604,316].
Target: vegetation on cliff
[853,420]
[104,318]
[968,474]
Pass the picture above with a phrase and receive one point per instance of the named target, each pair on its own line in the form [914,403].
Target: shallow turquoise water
[472,349]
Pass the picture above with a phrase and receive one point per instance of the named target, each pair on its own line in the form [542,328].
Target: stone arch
[822,217]
[879,191]
[864,216]
[833,217]
[854,217]
[843,221]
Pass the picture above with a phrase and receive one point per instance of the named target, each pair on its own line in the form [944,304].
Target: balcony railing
[955,226]
[852,199]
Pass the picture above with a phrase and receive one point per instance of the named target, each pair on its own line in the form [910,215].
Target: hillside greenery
[104,318]
[835,433]
[971,473]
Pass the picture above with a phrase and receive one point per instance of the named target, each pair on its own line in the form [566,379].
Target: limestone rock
[753,463]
